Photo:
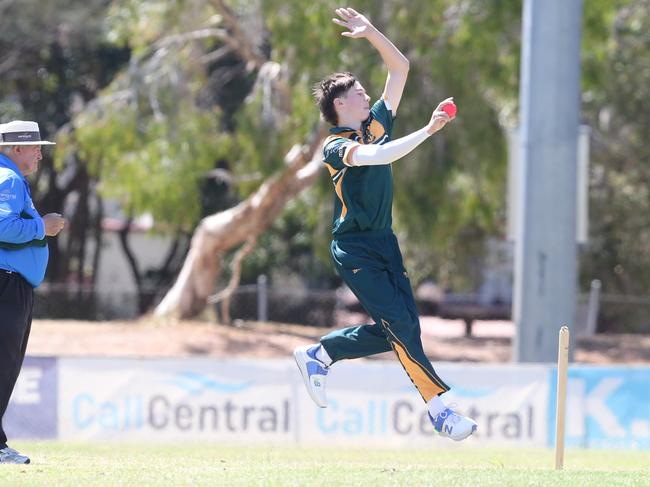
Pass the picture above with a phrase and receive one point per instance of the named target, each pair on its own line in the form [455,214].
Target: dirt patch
[443,340]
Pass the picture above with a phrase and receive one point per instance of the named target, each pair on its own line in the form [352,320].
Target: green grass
[81,465]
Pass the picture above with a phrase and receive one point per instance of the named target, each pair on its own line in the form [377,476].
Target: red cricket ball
[450,109]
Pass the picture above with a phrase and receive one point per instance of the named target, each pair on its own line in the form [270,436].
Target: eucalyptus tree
[447,200]
[616,105]
[53,59]
[163,122]
[227,84]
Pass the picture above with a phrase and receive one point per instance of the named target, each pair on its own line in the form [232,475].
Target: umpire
[23,256]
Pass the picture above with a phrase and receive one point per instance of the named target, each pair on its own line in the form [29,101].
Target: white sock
[435,406]
[321,354]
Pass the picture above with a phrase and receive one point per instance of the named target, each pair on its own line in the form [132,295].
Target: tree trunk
[218,233]
[98,234]
[165,273]
[225,296]
[124,234]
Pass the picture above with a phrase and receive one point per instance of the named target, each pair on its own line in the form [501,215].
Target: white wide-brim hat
[20,132]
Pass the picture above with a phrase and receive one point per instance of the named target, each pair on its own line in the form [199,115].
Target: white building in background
[115,284]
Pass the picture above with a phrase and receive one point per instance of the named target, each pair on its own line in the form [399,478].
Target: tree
[616,103]
[196,96]
[307,35]
[157,122]
[244,223]
[53,58]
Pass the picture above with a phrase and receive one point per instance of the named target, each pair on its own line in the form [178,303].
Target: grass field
[81,465]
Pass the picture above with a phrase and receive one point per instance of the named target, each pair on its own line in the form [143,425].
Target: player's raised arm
[398,66]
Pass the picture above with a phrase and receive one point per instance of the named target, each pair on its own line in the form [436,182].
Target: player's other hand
[54,223]
[358,25]
[439,117]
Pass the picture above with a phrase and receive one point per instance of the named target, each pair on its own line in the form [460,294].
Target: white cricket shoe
[453,425]
[9,455]
[314,372]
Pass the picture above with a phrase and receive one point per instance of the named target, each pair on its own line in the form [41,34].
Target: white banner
[185,399]
[370,403]
[377,404]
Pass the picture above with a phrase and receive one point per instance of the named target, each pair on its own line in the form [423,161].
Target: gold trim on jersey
[337,179]
[375,131]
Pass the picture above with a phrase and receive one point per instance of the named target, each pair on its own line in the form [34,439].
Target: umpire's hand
[54,223]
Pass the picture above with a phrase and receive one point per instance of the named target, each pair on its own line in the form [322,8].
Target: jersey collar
[342,129]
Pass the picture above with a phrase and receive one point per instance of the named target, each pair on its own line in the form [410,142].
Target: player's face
[356,102]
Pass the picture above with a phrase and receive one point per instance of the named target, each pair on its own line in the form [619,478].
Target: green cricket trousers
[371,265]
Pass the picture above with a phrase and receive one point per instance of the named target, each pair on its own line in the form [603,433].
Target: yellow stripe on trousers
[421,378]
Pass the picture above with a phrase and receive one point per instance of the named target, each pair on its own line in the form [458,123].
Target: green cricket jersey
[364,194]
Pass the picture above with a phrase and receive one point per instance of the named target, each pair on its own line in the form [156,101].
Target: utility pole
[545,247]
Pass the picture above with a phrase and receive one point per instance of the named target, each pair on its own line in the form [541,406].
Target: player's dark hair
[330,88]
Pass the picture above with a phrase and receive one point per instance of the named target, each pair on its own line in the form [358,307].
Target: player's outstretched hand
[439,118]
[358,25]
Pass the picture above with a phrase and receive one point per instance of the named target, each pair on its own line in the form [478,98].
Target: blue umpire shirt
[22,231]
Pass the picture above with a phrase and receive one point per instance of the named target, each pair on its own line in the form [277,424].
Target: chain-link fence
[259,302]
[596,312]
[64,301]
[624,314]
[270,303]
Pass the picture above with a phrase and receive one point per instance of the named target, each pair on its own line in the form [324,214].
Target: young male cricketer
[358,155]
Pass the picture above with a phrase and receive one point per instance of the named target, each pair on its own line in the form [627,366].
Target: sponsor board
[607,407]
[377,404]
[187,399]
[370,403]
[32,410]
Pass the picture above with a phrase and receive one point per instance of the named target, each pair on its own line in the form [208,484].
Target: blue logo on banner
[607,407]
[196,384]
[32,411]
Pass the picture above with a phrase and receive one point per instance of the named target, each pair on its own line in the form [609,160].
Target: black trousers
[16,303]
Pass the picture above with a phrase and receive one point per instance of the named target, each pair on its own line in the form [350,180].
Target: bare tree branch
[9,62]
[216,55]
[238,40]
[186,37]
[225,295]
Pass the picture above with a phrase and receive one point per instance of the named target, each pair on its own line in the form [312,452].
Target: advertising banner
[377,404]
[265,401]
[607,407]
[175,400]
[370,403]
[32,410]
